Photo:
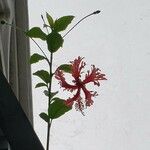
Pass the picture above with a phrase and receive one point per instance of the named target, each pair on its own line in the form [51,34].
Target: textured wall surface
[117,41]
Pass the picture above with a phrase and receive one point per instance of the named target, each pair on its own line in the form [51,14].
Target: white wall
[118,42]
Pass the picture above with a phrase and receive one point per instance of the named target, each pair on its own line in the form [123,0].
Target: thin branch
[40,49]
[95,12]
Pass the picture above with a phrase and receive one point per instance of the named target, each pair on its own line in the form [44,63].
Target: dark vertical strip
[23,55]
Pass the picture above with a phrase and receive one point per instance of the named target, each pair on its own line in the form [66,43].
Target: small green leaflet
[46,93]
[50,20]
[62,23]
[58,108]
[36,32]
[44,116]
[40,85]
[44,75]
[35,58]
[52,94]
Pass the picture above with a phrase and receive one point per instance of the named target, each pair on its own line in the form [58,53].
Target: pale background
[118,42]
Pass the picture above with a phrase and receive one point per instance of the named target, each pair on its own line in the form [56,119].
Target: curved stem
[41,50]
[95,12]
[19,29]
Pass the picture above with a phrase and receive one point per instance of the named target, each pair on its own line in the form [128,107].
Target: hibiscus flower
[92,76]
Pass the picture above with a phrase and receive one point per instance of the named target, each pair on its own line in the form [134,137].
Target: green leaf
[62,23]
[44,75]
[36,32]
[50,20]
[44,116]
[52,94]
[40,85]
[65,68]
[35,58]
[54,41]
[58,108]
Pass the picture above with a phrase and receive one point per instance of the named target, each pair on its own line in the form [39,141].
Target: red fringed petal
[60,76]
[94,76]
[77,66]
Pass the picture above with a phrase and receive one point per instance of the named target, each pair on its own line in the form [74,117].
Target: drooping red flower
[94,75]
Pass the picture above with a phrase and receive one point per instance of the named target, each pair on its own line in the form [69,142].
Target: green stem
[48,133]
[49,124]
